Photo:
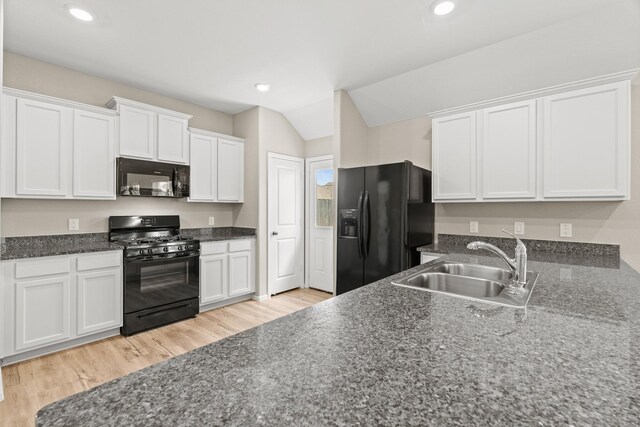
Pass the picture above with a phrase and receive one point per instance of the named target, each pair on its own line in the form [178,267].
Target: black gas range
[161,271]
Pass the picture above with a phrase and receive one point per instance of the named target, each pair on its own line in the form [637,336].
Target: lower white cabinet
[42,312]
[51,300]
[227,270]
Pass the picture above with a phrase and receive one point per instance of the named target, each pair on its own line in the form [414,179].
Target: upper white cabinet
[586,142]
[217,167]
[230,170]
[94,140]
[571,145]
[454,157]
[43,141]
[56,149]
[151,133]
[508,151]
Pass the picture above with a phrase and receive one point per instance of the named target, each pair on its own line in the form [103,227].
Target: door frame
[270,156]
[307,214]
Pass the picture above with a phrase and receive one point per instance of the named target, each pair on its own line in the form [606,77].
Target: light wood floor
[32,384]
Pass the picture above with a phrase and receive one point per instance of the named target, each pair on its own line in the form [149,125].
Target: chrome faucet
[518,265]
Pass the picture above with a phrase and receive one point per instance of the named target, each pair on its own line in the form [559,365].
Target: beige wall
[25,217]
[405,140]
[22,72]
[245,125]
[318,147]
[350,145]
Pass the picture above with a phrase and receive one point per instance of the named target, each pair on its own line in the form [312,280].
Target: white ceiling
[212,52]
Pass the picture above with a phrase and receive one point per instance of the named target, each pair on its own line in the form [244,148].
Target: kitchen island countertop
[387,355]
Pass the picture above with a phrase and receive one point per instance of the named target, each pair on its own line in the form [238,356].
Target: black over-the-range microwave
[152,179]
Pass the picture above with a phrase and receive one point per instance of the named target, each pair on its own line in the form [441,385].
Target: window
[324,198]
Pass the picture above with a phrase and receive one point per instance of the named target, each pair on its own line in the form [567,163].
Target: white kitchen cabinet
[173,139]
[230,171]
[94,155]
[586,143]
[42,312]
[203,184]
[217,167]
[53,302]
[213,278]
[99,305]
[454,157]
[150,132]
[227,271]
[507,147]
[137,132]
[56,149]
[564,145]
[43,148]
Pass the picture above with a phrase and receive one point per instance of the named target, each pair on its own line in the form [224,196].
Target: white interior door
[285,207]
[319,242]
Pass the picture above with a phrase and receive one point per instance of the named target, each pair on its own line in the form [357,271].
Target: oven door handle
[164,257]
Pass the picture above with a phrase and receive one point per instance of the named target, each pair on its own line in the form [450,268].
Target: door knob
[274,233]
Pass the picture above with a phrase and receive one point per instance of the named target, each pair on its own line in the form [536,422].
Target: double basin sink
[478,282]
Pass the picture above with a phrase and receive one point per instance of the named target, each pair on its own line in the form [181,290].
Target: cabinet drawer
[42,267]
[240,245]
[212,248]
[94,262]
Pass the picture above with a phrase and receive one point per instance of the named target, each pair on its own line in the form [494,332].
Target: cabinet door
[203,177]
[586,142]
[213,278]
[93,155]
[99,301]
[42,313]
[43,149]
[508,150]
[137,132]
[8,147]
[240,280]
[172,139]
[230,171]
[454,157]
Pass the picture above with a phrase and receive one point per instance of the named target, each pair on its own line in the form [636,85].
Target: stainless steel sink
[484,283]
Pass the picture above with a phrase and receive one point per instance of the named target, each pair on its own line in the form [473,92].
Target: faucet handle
[520,247]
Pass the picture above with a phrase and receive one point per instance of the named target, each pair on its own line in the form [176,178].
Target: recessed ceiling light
[262,87]
[443,7]
[80,14]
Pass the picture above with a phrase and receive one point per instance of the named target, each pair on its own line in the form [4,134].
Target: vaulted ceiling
[396,58]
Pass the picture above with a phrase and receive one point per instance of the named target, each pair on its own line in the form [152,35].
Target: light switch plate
[74,224]
[473,226]
[518,228]
[566,230]
[212,220]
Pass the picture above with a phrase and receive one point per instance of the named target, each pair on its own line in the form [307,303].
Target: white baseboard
[261,297]
[218,304]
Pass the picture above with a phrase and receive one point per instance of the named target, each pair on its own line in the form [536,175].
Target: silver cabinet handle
[274,233]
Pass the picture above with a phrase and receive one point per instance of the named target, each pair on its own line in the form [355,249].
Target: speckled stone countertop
[65,244]
[213,234]
[387,355]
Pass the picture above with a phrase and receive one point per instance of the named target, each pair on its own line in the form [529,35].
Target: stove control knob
[179,248]
[149,251]
[166,249]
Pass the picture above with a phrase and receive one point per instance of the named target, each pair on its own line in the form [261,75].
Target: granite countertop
[387,355]
[66,244]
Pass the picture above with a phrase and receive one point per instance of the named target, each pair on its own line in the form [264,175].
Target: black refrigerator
[384,213]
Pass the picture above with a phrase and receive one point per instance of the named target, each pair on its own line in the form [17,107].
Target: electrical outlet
[74,224]
[565,230]
[212,220]
[473,226]
[518,228]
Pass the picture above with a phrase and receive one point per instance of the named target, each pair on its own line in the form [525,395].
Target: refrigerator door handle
[359,231]
[367,224]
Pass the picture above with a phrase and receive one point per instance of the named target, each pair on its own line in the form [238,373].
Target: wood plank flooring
[32,384]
